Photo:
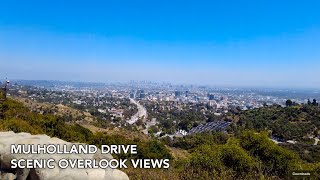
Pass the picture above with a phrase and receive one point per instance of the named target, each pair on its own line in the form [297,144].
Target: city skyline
[265,44]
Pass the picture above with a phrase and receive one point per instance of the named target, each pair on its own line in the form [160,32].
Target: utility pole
[4,90]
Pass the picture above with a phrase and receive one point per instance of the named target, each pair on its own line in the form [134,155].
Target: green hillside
[288,123]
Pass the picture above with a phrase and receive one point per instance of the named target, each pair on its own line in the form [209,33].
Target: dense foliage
[287,123]
[307,152]
[189,142]
[250,155]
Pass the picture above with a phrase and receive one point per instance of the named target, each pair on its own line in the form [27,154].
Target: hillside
[244,155]
[60,110]
[297,122]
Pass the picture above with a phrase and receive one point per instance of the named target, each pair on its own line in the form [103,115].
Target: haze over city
[272,43]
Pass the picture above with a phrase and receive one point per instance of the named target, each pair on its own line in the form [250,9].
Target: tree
[153,129]
[235,157]
[314,102]
[289,103]
[139,122]
[276,160]
[211,118]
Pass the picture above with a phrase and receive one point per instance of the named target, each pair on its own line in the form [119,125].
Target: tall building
[142,95]
[211,97]
[187,93]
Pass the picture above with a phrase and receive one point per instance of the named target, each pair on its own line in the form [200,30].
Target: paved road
[142,112]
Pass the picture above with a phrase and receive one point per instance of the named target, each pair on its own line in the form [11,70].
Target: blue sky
[235,43]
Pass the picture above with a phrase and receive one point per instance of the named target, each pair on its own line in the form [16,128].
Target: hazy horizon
[221,86]
[247,44]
